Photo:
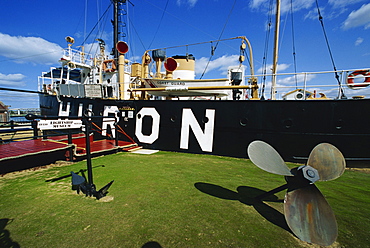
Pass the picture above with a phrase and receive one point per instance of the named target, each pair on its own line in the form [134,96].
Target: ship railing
[316,84]
[50,84]
[76,89]
[16,130]
[29,129]
[77,56]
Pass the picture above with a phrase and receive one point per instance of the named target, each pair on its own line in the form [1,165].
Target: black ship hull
[226,128]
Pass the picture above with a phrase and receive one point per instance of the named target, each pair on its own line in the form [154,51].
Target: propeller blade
[267,158]
[328,161]
[310,216]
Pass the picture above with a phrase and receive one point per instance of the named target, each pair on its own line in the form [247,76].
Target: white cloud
[285,5]
[94,48]
[221,64]
[19,99]
[359,41]
[12,79]
[293,80]
[357,18]
[257,3]
[326,13]
[191,3]
[312,14]
[29,49]
[280,68]
[343,3]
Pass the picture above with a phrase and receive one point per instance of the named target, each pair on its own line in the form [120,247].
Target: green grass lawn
[168,200]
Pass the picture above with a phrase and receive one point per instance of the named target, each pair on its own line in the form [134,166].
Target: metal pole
[69,135]
[88,152]
[34,127]
[70,143]
[276,51]
[115,29]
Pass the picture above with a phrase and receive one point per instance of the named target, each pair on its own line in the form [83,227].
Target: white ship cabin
[84,76]
[159,77]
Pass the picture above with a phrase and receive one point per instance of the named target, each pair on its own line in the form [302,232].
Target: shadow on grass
[152,244]
[5,240]
[247,195]
[69,175]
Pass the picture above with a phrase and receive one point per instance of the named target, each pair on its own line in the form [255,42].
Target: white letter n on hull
[205,139]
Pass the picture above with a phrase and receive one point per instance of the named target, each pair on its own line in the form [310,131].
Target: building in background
[4,112]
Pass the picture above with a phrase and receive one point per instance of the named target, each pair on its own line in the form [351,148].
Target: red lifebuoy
[357,74]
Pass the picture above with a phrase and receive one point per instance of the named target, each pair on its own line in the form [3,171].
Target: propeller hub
[310,173]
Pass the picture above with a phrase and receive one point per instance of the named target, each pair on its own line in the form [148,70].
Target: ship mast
[115,29]
[116,20]
[276,51]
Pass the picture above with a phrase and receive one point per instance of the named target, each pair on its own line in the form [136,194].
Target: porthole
[243,122]
[173,118]
[339,124]
[288,123]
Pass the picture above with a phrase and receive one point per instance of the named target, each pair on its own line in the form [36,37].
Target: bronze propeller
[306,210]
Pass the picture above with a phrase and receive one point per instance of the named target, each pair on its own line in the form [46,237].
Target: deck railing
[12,130]
[314,83]
[76,56]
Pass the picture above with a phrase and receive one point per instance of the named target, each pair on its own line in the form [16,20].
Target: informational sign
[93,90]
[59,124]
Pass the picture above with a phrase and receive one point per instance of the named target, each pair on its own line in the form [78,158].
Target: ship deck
[32,153]
[29,147]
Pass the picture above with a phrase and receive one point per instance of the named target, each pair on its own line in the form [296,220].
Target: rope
[340,93]
[97,127]
[100,130]
[123,132]
[120,129]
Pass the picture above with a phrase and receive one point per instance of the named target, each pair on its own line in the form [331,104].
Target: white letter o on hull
[152,112]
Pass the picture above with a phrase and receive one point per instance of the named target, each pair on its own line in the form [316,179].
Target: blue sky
[32,34]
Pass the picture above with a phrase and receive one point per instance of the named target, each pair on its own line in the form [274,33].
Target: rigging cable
[133,26]
[293,43]
[218,41]
[176,16]
[100,31]
[340,93]
[159,25]
[105,12]
[85,20]
[97,12]
[265,53]
[128,31]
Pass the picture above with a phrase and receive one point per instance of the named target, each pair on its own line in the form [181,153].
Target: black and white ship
[166,108]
